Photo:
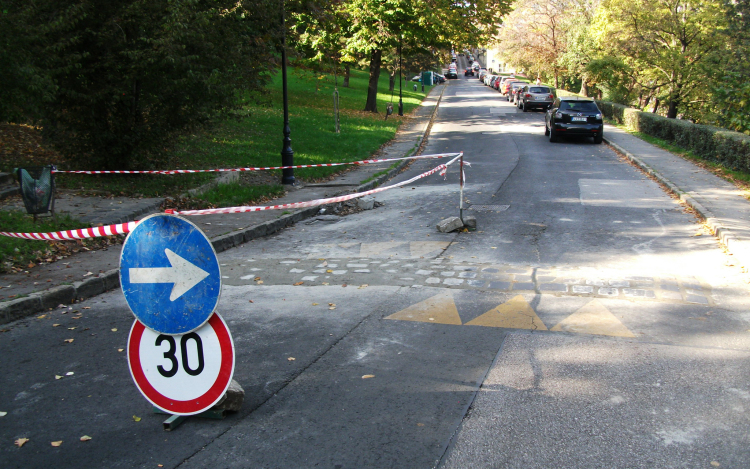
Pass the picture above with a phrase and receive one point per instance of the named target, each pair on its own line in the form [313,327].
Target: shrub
[731,149]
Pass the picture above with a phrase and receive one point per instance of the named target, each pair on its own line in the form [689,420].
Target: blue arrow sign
[169,274]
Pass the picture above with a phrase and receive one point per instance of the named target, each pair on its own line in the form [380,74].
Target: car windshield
[539,89]
[580,106]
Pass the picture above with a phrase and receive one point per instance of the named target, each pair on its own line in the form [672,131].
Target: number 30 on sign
[182,374]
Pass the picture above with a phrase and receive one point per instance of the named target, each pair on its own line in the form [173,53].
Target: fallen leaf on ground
[85,438]
[55,325]
[715,463]
[87,307]
[251,301]
[260,282]
[114,329]
[291,359]
[367,376]
[332,307]
[364,285]
[325,283]
[298,283]
[329,271]
[136,418]
[71,328]
[87,274]
[42,316]
[3,414]
[56,443]
[256,278]
[58,377]
[69,373]
[20,442]
[420,425]
[315,304]
[344,285]
[120,350]
[70,341]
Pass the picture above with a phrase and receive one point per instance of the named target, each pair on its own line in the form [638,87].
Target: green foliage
[122,78]
[731,149]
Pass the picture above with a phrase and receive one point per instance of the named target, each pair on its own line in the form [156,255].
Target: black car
[469,72]
[571,115]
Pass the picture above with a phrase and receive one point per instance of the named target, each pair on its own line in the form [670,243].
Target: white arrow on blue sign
[169,274]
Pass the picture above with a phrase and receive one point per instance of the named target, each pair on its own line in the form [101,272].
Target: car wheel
[599,138]
[552,134]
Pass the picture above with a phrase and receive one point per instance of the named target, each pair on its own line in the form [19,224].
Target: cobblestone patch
[584,281]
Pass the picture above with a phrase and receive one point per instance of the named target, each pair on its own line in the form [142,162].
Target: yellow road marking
[515,313]
[438,309]
[593,318]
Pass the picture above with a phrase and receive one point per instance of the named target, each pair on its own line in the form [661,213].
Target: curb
[78,291]
[722,233]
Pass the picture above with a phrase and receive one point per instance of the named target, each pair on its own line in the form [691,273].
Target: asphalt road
[584,324]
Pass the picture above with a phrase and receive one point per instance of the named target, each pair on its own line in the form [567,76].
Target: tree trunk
[557,79]
[392,81]
[656,105]
[372,87]
[347,73]
[584,88]
[672,110]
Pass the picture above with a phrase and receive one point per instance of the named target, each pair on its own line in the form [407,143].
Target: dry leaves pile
[21,144]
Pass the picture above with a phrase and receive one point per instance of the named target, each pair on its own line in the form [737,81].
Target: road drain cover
[489,208]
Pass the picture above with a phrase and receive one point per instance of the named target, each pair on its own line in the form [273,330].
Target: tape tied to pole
[124,228]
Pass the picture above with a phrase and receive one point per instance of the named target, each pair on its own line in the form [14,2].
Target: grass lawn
[20,254]
[253,137]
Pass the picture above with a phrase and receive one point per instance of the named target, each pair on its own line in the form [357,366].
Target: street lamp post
[287,154]
[400,101]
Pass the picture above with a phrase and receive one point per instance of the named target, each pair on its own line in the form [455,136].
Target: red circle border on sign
[172,406]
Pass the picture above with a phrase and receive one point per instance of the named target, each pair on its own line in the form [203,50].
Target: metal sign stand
[175,421]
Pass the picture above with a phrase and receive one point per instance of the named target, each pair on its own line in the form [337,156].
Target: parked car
[512,87]
[500,81]
[451,73]
[505,84]
[438,78]
[535,97]
[469,72]
[572,115]
[482,72]
[416,78]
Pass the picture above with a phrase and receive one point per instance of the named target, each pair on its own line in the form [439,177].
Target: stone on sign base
[450,224]
[470,223]
[232,400]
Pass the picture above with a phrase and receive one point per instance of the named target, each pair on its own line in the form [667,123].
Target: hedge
[731,149]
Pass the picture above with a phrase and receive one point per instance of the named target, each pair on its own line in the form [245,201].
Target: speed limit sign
[182,374]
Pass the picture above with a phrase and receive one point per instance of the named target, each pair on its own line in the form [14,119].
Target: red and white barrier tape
[190,171]
[94,232]
[312,203]
[124,228]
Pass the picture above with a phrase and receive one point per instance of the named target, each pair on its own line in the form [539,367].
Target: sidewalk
[723,205]
[91,273]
